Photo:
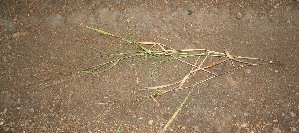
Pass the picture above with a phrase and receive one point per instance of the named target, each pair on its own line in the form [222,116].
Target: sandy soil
[43,46]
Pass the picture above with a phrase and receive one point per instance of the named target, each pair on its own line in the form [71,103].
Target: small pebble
[4,111]
[276,130]
[189,12]
[292,114]
[276,6]
[248,71]
[243,125]
[31,110]
[150,122]
[6,129]
[1,123]
[239,15]
[246,114]
[293,129]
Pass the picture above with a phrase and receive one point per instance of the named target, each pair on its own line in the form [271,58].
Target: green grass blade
[175,114]
[111,66]
[93,72]
[99,30]
[143,48]
[113,35]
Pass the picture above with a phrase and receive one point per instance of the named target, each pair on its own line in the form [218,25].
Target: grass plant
[159,50]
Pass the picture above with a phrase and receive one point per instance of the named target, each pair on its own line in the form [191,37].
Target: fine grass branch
[153,49]
[159,50]
[119,37]
[176,113]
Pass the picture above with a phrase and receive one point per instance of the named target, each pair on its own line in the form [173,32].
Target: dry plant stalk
[166,51]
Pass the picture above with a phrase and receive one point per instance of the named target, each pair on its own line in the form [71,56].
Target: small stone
[275,120]
[4,111]
[243,125]
[293,129]
[150,122]
[189,12]
[6,129]
[161,131]
[239,15]
[18,34]
[43,127]
[13,129]
[246,114]
[9,47]
[276,130]
[248,71]
[140,118]
[1,123]
[31,110]
[276,6]
[188,120]
[276,71]
[292,114]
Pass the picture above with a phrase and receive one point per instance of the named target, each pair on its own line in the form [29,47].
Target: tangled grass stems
[183,81]
[166,51]
[171,54]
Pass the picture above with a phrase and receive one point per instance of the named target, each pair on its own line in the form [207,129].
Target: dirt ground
[43,46]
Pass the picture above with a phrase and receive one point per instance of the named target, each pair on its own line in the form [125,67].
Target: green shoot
[99,30]
[165,51]
[113,35]
[175,114]
[94,72]
[143,48]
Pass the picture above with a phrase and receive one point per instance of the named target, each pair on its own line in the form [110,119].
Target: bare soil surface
[43,46]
